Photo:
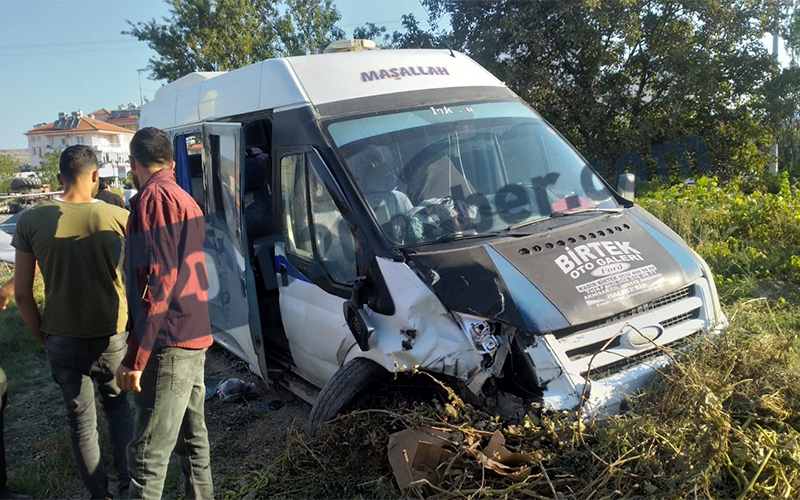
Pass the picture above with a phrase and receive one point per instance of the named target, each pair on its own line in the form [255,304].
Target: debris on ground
[230,390]
[236,389]
[722,422]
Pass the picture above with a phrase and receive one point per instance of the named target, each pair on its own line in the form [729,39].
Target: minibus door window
[223,159]
[316,265]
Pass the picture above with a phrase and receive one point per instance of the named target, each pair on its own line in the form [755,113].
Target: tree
[626,76]
[47,171]
[372,31]
[222,35]
[307,27]
[8,170]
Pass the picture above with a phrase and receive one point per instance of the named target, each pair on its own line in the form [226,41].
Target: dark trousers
[170,416]
[3,400]
[76,364]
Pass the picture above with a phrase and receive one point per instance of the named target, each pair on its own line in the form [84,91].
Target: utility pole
[774,167]
[141,97]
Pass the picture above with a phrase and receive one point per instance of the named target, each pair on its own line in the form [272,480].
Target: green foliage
[47,171]
[619,77]
[308,26]
[749,233]
[222,35]
[8,169]
[372,31]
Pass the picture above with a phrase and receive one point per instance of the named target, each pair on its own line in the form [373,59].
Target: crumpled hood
[593,267]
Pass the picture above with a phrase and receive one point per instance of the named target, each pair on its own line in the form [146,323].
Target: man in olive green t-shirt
[78,243]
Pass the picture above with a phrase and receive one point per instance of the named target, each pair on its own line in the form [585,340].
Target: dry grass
[721,423]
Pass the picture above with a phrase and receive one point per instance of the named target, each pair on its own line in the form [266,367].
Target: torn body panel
[438,345]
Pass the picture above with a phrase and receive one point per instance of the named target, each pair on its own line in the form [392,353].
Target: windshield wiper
[447,238]
[564,213]
[575,211]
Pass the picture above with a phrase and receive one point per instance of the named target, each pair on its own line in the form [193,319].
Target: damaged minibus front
[523,277]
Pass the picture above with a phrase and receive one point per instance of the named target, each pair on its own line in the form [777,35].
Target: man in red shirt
[167,288]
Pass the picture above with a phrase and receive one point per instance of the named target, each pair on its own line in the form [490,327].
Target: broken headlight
[483,333]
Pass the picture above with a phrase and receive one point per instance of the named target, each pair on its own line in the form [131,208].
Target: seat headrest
[256,171]
[375,168]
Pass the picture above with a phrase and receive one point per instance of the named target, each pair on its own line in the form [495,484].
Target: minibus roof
[317,79]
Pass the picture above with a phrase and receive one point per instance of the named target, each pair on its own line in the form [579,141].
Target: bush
[748,232]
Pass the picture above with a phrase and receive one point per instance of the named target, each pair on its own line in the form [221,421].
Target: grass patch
[722,422]
[18,349]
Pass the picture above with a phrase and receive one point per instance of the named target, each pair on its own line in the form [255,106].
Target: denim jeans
[75,363]
[170,415]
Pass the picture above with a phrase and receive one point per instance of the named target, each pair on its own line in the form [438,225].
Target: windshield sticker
[610,262]
[404,72]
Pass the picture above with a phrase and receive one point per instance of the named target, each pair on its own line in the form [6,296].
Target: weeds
[723,422]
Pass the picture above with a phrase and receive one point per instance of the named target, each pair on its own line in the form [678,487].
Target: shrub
[748,232]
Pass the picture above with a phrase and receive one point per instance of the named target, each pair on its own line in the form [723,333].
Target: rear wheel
[348,384]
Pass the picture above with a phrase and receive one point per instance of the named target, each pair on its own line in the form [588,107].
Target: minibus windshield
[445,172]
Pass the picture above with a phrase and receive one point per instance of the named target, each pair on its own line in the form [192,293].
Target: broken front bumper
[598,367]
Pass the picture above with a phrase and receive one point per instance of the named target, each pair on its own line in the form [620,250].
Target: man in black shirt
[105,194]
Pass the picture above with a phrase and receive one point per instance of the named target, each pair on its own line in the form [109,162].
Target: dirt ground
[244,436]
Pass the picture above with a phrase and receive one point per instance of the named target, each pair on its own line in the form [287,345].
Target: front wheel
[344,388]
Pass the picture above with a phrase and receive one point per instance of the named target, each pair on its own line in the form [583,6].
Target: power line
[62,44]
[112,49]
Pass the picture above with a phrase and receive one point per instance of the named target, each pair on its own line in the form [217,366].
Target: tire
[24,183]
[344,388]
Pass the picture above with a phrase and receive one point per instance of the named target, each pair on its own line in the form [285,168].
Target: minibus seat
[258,213]
[437,181]
[377,175]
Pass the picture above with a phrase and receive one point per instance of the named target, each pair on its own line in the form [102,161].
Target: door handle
[284,275]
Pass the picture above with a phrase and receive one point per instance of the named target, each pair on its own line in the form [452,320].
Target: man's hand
[128,380]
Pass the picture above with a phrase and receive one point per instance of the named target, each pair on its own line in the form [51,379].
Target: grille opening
[574,354]
[665,300]
[640,358]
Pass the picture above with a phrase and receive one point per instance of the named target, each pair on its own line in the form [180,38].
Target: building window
[80,139]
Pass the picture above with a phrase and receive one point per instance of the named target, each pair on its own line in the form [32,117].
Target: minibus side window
[333,239]
[295,205]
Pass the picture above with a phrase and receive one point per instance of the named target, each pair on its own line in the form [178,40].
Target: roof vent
[357,45]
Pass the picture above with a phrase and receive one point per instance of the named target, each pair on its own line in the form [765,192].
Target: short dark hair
[77,161]
[103,185]
[151,146]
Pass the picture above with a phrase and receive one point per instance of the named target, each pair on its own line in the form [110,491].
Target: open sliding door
[235,320]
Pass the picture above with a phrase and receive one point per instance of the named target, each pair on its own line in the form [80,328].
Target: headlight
[481,332]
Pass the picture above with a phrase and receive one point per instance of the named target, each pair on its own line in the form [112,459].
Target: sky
[69,55]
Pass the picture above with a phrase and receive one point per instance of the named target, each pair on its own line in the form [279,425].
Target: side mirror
[626,186]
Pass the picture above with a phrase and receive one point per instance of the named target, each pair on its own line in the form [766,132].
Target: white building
[110,142]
